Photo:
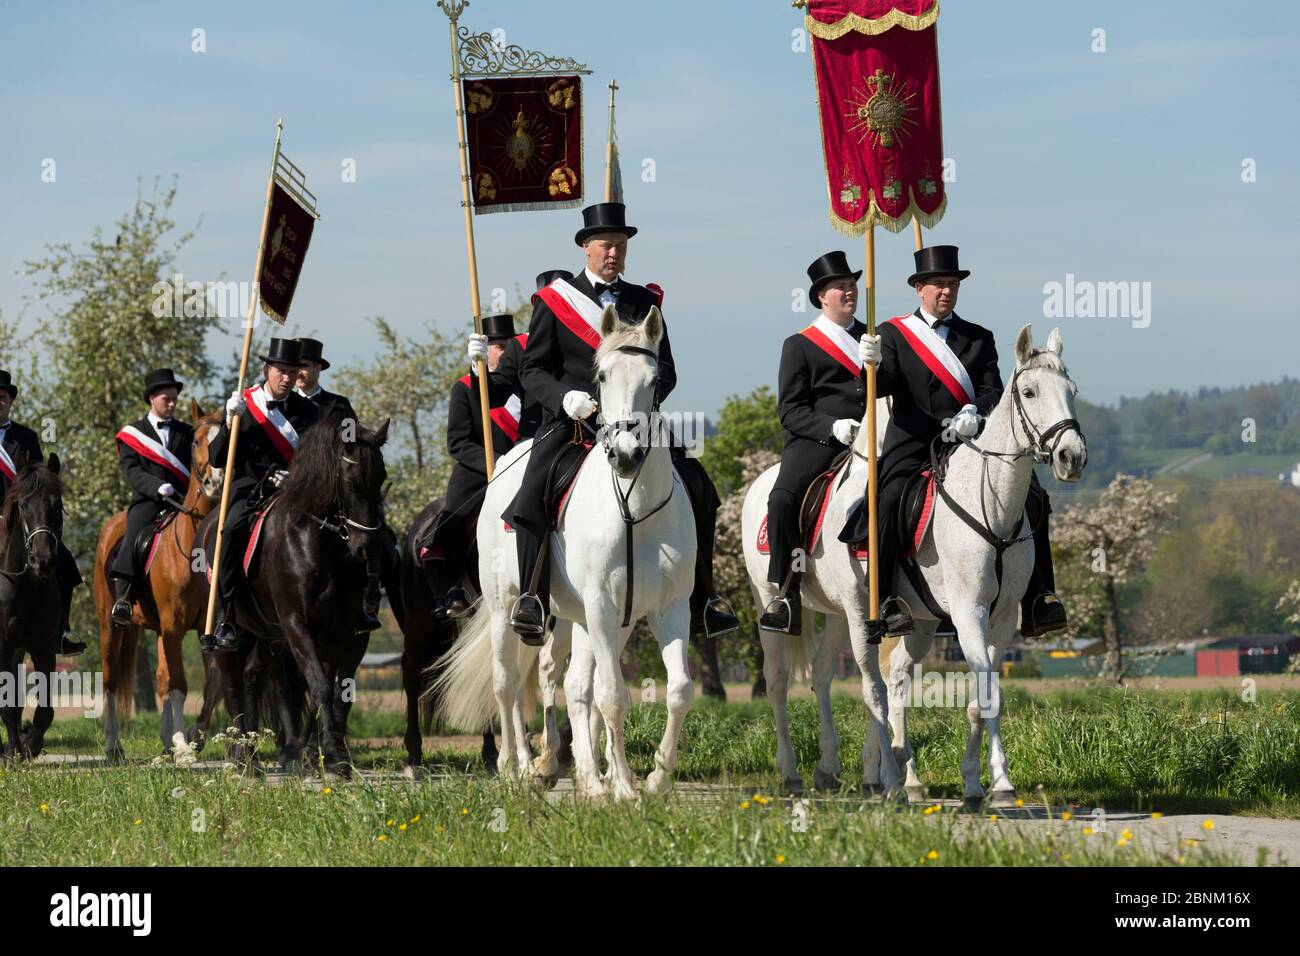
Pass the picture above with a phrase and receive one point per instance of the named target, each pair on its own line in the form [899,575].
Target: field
[1191,757]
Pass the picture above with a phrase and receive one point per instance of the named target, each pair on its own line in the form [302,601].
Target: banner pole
[609,146]
[453,8]
[916,232]
[210,620]
[873,560]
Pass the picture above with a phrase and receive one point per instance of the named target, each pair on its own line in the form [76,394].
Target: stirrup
[901,608]
[523,627]
[793,621]
[721,606]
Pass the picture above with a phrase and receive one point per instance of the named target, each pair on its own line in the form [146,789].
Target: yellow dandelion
[932,855]
[382,837]
[993,816]
[439,829]
[929,810]
[1067,816]
[464,811]
[137,821]
[1121,842]
[1019,802]
[1180,859]
[744,804]
[45,808]
[1127,834]
[1208,825]
[327,790]
[780,858]
[1191,841]
[1088,831]
[1156,814]
[389,823]
[761,800]
[402,827]
[416,818]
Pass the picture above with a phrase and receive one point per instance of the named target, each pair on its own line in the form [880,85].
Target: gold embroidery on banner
[480,99]
[560,94]
[883,114]
[562,181]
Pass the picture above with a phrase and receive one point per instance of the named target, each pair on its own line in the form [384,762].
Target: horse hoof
[916,793]
[792,787]
[826,781]
[115,755]
[658,783]
[972,804]
[869,791]
[1003,799]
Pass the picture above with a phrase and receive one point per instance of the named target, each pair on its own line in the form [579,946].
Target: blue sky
[1116,166]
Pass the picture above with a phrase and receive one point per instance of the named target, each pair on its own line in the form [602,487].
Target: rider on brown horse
[16,438]
[154,455]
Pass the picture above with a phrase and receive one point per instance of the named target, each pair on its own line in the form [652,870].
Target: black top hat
[936,261]
[7,383]
[550,275]
[311,352]
[833,265]
[499,326]
[159,379]
[284,352]
[603,217]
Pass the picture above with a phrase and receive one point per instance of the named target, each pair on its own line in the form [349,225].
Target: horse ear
[654,326]
[196,410]
[52,463]
[608,321]
[1054,341]
[381,434]
[1024,345]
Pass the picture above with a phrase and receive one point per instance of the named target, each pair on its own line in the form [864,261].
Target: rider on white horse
[822,400]
[942,371]
[557,372]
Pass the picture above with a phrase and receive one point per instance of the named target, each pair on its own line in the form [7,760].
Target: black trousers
[895,472]
[527,514]
[234,540]
[139,515]
[69,576]
[801,462]
[451,531]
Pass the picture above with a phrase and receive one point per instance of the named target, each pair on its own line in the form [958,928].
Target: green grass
[1193,752]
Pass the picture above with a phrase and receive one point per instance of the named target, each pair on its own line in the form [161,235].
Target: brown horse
[171,603]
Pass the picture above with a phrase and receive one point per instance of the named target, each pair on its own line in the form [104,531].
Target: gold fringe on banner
[852,22]
[528,207]
[876,217]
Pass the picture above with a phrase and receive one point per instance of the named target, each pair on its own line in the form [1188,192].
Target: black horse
[427,633]
[306,591]
[31,525]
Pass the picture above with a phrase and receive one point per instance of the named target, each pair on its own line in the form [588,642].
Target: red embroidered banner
[877,71]
[525,142]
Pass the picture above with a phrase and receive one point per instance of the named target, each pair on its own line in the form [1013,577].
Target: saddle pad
[564,483]
[919,496]
[255,536]
[822,504]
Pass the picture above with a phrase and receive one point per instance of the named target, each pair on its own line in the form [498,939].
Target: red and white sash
[835,342]
[7,466]
[281,432]
[505,417]
[579,314]
[938,357]
[156,452]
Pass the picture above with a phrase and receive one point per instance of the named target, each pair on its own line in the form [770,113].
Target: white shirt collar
[155,421]
[931,319]
[823,315]
[307,395]
[593,278]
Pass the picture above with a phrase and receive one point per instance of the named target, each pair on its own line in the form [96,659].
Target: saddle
[560,479]
[145,546]
[812,511]
[916,508]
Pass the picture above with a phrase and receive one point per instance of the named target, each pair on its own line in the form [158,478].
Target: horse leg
[611,694]
[10,713]
[578,693]
[971,621]
[172,687]
[213,691]
[1002,792]
[550,661]
[876,698]
[672,629]
[777,676]
[320,691]
[413,661]
[505,689]
[902,662]
[33,743]
[834,637]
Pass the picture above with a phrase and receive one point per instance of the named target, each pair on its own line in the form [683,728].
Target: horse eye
[1028,392]
[601,378]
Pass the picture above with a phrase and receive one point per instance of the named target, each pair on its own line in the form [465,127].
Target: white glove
[235,405]
[578,405]
[869,349]
[966,422]
[477,348]
[166,490]
[844,430]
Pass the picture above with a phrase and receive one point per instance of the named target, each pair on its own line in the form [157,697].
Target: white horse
[589,581]
[989,481]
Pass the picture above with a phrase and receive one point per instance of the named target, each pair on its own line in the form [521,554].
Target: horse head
[33,514]
[1043,419]
[202,473]
[362,478]
[627,375]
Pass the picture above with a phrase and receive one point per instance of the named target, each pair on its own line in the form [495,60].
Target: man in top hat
[272,417]
[822,399]
[557,373]
[904,351]
[154,455]
[450,538]
[308,382]
[20,441]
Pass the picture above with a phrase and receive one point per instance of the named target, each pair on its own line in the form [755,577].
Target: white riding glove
[166,490]
[844,430]
[966,422]
[477,348]
[869,349]
[235,405]
[579,405]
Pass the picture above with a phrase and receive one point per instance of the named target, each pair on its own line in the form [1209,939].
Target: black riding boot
[121,601]
[785,614]
[528,616]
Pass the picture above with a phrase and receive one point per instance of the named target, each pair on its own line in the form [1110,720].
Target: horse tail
[120,664]
[463,686]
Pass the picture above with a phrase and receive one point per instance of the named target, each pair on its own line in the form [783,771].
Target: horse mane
[35,481]
[312,485]
[1046,359]
[621,336]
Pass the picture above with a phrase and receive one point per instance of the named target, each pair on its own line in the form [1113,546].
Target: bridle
[340,522]
[606,436]
[30,535]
